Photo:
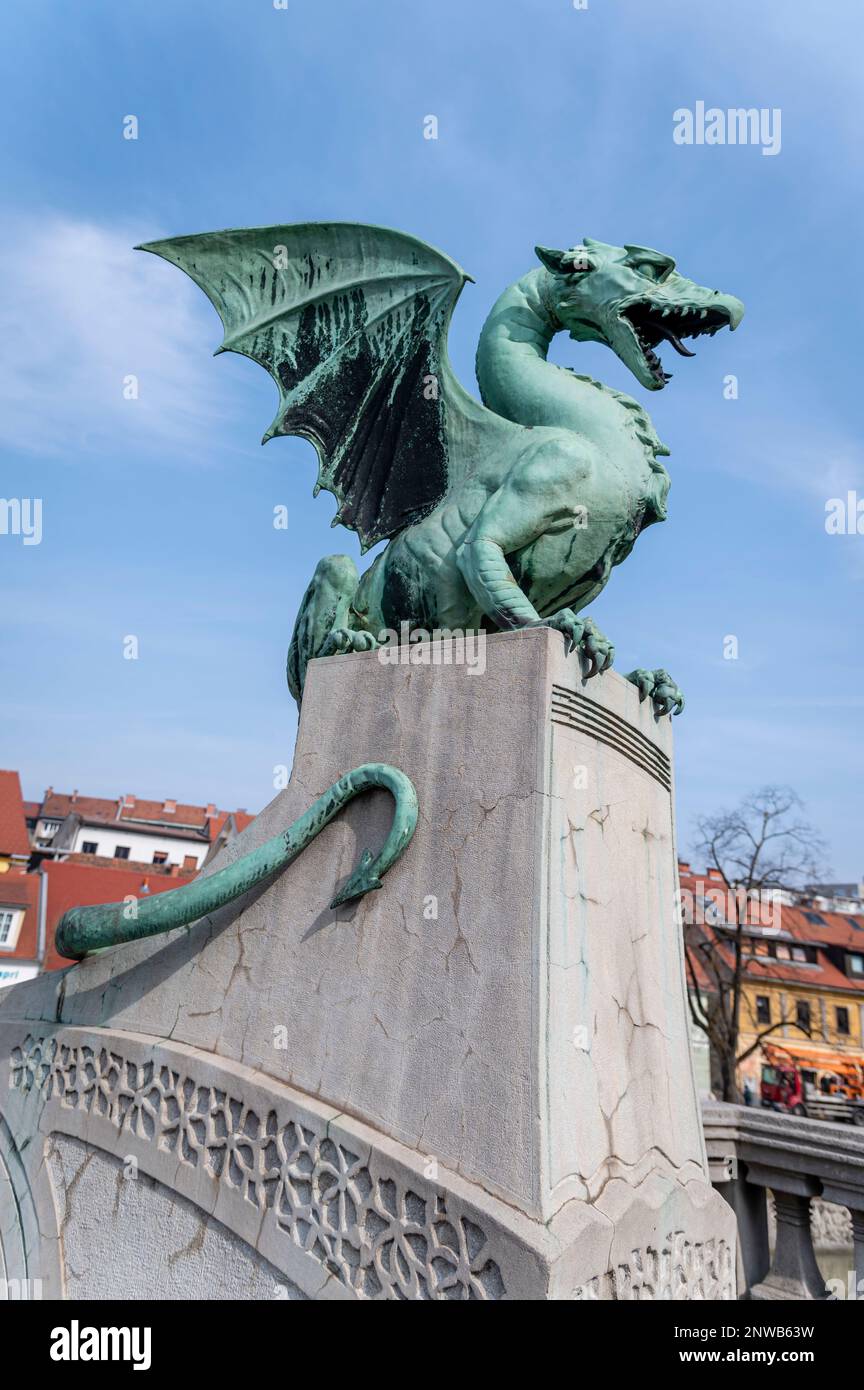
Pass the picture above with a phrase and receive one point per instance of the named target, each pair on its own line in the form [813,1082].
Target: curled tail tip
[358,884]
[354,890]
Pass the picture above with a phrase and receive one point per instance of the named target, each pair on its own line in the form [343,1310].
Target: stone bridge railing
[752,1152]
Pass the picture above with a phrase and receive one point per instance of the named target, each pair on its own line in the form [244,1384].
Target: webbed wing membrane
[351,321]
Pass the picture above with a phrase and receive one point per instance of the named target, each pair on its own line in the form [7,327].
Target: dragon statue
[507,514]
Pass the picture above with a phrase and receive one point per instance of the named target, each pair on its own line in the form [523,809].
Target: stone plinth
[473,1083]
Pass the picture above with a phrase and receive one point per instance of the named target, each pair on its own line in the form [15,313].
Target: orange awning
[822,1059]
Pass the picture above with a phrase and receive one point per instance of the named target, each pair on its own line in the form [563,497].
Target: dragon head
[631,298]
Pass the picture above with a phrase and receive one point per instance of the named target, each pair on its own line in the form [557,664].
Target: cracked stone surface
[171,1248]
[510,1006]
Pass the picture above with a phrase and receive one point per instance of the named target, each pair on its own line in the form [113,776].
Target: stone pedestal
[475,1083]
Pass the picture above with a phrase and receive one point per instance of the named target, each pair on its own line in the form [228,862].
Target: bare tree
[762,846]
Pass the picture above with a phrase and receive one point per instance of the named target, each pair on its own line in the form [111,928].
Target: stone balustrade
[753,1151]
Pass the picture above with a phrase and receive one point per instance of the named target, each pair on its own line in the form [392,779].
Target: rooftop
[14,840]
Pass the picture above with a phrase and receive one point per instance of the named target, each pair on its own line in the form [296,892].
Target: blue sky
[554,123]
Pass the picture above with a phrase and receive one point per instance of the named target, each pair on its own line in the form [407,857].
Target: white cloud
[80,311]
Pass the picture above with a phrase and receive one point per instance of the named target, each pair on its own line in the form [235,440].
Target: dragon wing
[351,322]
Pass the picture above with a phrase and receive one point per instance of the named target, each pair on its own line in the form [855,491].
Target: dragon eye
[652,271]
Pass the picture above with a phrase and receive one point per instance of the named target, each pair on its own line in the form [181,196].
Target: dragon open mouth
[652,323]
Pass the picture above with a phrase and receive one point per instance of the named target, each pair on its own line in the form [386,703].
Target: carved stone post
[475,1082]
[749,1203]
[794,1273]
[852,1197]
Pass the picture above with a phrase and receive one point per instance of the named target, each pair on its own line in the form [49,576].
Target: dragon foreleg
[488,576]
[86,929]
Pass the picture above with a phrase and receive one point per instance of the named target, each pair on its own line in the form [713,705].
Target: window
[8,918]
[190,861]
[802,1014]
[856,965]
[763,1008]
[89,847]
[50,827]
[800,953]
[121,852]
[815,919]
[160,856]
[842,1020]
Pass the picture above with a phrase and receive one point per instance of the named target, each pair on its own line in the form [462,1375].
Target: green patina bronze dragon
[504,515]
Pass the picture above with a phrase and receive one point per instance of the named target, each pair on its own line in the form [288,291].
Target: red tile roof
[74,885]
[13,827]
[103,861]
[190,816]
[58,805]
[837,928]
[821,972]
[840,929]
[16,889]
[186,821]
[176,832]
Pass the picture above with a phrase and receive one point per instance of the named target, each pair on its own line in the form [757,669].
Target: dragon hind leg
[326,620]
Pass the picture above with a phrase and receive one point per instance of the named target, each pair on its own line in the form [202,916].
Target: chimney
[74,796]
[129,801]
[169,806]
[716,875]
[210,811]
[173,870]
[683,867]
[49,791]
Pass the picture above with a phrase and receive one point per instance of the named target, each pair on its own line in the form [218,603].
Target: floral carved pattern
[377,1235]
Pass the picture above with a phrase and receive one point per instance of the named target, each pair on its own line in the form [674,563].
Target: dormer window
[10,921]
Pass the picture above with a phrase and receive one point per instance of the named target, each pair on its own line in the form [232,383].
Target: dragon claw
[598,651]
[347,639]
[659,687]
[566,622]
[582,635]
